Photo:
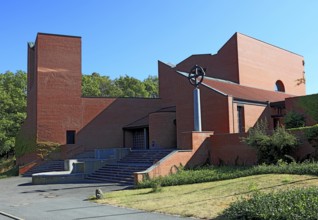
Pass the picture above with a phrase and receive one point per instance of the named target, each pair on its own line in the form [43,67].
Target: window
[70,137]
[279,86]
[240,119]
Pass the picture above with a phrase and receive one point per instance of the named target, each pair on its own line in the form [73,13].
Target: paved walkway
[18,197]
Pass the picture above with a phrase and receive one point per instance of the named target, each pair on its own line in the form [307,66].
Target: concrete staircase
[122,171]
[47,166]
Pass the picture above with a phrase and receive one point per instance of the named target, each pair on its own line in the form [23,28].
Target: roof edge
[58,35]
[269,44]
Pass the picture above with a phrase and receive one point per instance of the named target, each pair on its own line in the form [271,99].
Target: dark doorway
[140,138]
[70,137]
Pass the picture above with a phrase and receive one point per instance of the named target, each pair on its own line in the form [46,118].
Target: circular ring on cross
[196,75]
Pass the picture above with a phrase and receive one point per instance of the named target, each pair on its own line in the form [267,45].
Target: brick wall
[228,149]
[58,86]
[162,130]
[193,151]
[262,64]
[223,65]
[175,89]
[105,119]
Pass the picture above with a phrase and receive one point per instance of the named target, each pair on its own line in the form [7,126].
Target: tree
[12,108]
[152,86]
[131,87]
[95,85]
[108,87]
[294,120]
[90,86]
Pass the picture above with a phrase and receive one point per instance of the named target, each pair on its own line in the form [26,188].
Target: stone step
[111,176]
[47,166]
[103,170]
[144,156]
[123,170]
[108,180]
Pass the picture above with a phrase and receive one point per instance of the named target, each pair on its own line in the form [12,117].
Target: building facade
[246,80]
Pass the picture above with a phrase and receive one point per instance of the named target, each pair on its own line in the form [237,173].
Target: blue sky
[129,36]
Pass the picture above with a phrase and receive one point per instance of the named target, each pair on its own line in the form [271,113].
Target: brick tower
[54,87]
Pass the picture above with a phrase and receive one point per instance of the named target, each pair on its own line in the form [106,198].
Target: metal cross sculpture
[196,75]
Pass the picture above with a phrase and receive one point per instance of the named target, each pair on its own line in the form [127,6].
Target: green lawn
[204,200]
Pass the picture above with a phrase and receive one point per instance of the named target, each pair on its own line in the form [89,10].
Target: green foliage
[12,108]
[290,205]
[271,148]
[151,85]
[8,167]
[131,87]
[310,105]
[156,185]
[99,86]
[258,138]
[311,134]
[294,120]
[45,148]
[96,85]
[24,145]
[14,171]
[209,174]
[284,142]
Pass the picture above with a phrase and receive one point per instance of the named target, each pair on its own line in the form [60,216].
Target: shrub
[209,174]
[283,142]
[156,185]
[290,205]
[271,148]
[294,120]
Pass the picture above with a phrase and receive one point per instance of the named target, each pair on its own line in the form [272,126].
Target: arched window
[279,86]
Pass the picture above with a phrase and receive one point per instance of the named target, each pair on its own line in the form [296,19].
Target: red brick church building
[246,80]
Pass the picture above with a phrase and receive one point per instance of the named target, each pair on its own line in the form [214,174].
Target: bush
[209,174]
[292,204]
[294,120]
[271,148]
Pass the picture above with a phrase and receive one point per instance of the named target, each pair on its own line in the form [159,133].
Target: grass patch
[8,167]
[205,200]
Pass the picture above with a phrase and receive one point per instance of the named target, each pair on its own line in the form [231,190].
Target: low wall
[228,149]
[74,172]
[57,178]
[192,152]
